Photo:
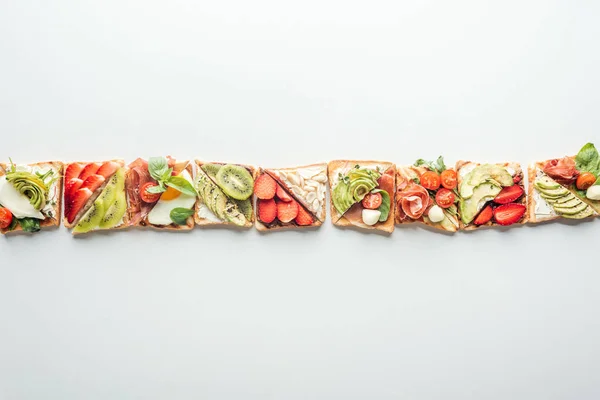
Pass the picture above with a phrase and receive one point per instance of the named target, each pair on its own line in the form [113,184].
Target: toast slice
[552,198]
[415,203]
[51,211]
[156,214]
[499,186]
[291,198]
[350,181]
[214,207]
[94,196]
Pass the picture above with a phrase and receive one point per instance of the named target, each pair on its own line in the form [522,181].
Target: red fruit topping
[282,194]
[265,187]
[286,212]
[6,218]
[517,179]
[93,182]
[108,169]
[304,218]
[484,216]
[509,194]
[76,203]
[72,186]
[73,171]
[508,214]
[267,210]
[89,170]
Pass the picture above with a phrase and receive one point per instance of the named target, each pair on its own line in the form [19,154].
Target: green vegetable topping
[180,215]
[33,186]
[158,167]
[437,165]
[588,160]
[384,208]
[353,187]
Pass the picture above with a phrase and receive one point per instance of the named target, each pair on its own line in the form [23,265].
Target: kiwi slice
[91,219]
[115,212]
[211,170]
[245,207]
[235,181]
[115,184]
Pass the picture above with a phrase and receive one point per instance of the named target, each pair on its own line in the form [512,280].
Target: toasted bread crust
[205,222]
[524,199]
[338,166]
[48,222]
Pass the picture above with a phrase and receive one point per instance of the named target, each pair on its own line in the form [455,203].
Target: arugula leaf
[157,167]
[384,208]
[180,215]
[181,184]
[416,180]
[437,165]
[441,167]
[29,224]
[588,159]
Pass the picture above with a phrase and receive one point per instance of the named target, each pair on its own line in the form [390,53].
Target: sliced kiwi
[245,207]
[91,219]
[211,170]
[114,213]
[115,184]
[235,181]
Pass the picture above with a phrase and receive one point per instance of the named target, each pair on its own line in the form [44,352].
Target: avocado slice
[570,202]
[553,193]
[571,210]
[342,200]
[481,195]
[587,212]
[544,182]
[487,173]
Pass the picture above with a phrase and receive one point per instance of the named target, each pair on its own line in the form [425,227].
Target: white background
[326,314]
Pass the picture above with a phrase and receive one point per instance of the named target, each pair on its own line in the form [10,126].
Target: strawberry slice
[108,169]
[509,194]
[267,210]
[73,171]
[282,194]
[88,170]
[508,214]
[265,187]
[93,182]
[484,216]
[76,203]
[304,218]
[286,212]
[72,186]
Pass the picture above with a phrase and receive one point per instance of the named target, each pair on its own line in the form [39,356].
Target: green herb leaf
[437,166]
[384,208]
[416,180]
[181,184]
[156,189]
[588,159]
[180,215]
[441,167]
[157,167]
[29,224]
[13,224]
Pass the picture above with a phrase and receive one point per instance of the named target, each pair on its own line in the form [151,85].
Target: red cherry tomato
[445,197]
[585,180]
[148,197]
[6,218]
[449,179]
[430,180]
[372,201]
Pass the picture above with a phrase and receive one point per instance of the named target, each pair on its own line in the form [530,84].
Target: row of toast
[165,193]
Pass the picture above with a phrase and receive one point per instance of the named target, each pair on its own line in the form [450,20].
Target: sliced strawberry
[108,169]
[267,210]
[76,203]
[72,186]
[265,187]
[286,212]
[509,194]
[517,179]
[88,170]
[304,217]
[508,214]
[484,216]
[93,182]
[73,171]
[282,194]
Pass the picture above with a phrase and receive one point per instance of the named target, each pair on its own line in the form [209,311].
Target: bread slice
[514,168]
[539,210]
[282,178]
[201,221]
[191,167]
[92,198]
[55,193]
[353,217]
[406,176]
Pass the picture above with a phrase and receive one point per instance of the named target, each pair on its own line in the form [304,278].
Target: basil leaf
[384,208]
[13,224]
[437,166]
[166,175]
[588,159]
[156,189]
[181,184]
[157,166]
[180,215]
[30,224]
[441,167]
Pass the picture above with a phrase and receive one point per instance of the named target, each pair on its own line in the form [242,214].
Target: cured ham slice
[414,201]
[137,176]
[562,170]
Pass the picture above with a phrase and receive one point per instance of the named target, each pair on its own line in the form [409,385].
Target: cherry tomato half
[449,179]
[445,197]
[6,218]
[372,201]
[430,180]
[585,180]
[148,197]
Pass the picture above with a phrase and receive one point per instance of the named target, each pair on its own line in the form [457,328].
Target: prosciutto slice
[562,170]
[413,201]
[138,176]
